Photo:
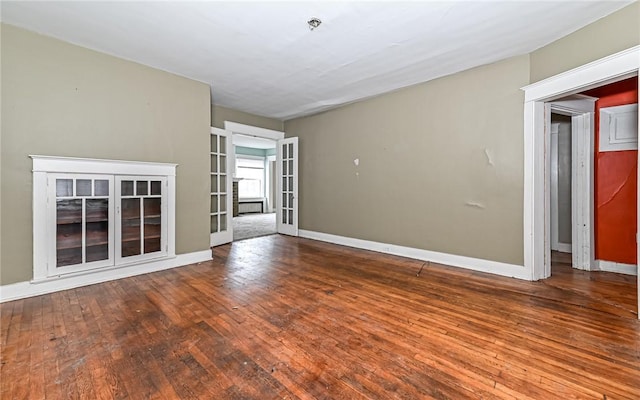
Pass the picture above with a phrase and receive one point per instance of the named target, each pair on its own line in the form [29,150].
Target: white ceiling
[261,57]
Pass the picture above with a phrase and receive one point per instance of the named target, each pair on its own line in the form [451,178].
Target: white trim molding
[600,72]
[22,290]
[606,70]
[250,130]
[475,264]
[611,266]
[74,165]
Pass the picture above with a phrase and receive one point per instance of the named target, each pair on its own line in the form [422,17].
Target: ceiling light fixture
[314,23]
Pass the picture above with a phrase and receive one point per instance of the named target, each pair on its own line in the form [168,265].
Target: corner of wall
[615,32]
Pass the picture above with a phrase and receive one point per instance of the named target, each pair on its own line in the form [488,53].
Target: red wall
[615,184]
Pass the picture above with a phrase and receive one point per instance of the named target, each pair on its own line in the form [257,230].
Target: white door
[221,211]
[287,197]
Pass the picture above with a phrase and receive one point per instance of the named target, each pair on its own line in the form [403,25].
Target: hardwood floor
[288,318]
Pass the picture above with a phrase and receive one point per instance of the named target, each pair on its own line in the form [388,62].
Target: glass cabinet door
[141,228]
[83,222]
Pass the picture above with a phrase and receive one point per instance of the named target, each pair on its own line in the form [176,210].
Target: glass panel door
[141,227]
[287,210]
[83,222]
[221,210]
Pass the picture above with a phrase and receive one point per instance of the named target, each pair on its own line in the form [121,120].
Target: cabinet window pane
[156,188]
[131,241]
[142,188]
[68,232]
[101,187]
[97,229]
[83,187]
[127,188]
[97,210]
[64,187]
[152,223]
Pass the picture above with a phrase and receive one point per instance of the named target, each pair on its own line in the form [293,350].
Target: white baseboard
[26,289]
[476,264]
[562,247]
[620,268]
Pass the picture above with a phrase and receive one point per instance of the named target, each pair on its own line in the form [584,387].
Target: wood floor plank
[288,318]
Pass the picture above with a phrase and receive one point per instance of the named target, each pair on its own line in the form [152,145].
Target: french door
[287,193]
[221,212]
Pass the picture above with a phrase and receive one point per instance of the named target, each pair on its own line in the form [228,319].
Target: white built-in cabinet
[91,214]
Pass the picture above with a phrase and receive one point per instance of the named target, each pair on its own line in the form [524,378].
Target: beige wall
[220,114]
[614,33]
[64,100]
[423,167]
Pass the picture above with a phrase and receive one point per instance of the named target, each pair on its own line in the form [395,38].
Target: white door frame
[607,70]
[255,131]
[581,110]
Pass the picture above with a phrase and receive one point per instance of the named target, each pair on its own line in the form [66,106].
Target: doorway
[254,181]
[561,177]
[284,198]
[560,183]
[613,68]
[592,182]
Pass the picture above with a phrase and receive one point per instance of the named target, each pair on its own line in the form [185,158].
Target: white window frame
[264,175]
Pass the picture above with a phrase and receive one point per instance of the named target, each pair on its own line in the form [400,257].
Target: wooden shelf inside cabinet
[65,217]
[127,218]
[69,241]
[132,233]
[73,255]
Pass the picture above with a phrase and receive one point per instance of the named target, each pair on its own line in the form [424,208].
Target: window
[251,172]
